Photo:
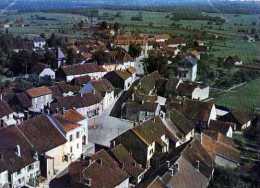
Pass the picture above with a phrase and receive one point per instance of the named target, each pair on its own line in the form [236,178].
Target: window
[18,172]
[77,146]
[71,137]
[30,167]
[71,149]
[77,134]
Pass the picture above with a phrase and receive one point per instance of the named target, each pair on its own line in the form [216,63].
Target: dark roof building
[101,170]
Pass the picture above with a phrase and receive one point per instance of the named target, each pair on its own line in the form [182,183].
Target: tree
[135,50]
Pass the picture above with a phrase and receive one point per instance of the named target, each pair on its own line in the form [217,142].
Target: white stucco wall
[3,178]
[38,103]
[200,94]
[48,72]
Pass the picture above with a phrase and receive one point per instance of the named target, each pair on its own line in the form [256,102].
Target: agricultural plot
[245,97]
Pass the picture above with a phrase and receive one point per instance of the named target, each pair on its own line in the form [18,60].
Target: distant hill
[212,5]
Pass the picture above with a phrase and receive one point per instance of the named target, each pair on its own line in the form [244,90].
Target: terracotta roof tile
[38,91]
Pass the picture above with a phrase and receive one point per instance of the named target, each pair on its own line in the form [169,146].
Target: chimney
[133,97]
[198,165]
[18,150]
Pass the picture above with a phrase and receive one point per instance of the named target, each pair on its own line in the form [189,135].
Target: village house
[235,60]
[176,42]
[19,164]
[39,42]
[192,169]
[187,69]
[200,113]
[76,133]
[147,84]
[124,41]
[221,149]
[63,89]
[40,98]
[226,128]
[168,87]
[140,112]
[43,71]
[192,90]
[69,72]
[145,141]
[182,128]
[128,164]
[121,79]
[104,87]
[241,118]
[100,170]
[6,114]
[48,139]
[116,59]
[88,105]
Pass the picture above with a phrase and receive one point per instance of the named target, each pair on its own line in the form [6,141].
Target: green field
[39,22]
[245,97]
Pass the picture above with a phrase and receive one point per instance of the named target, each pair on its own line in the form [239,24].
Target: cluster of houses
[175,134]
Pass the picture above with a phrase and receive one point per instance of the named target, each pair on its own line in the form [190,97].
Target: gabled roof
[237,116]
[195,152]
[5,109]
[102,86]
[65,124]
[79,69]
[62,87]
[148,82]
[217,144]
[181,124]
[150,131]
[38,91]
[186,88]
[81,80]
[193,109]
[221,126]
[186,177]
[78,101]
[102,171]
[73,116]
[43,133]
[127,162]
[10,137]
[24,100]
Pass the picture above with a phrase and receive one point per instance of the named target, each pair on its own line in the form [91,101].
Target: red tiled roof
[38,91]
[79,69]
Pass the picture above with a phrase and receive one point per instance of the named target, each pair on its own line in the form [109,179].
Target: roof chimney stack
[198,165]
[18,150]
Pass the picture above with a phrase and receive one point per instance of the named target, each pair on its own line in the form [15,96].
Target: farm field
[245,97]
[41,22]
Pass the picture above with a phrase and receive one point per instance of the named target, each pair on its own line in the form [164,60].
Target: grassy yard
[245,97]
